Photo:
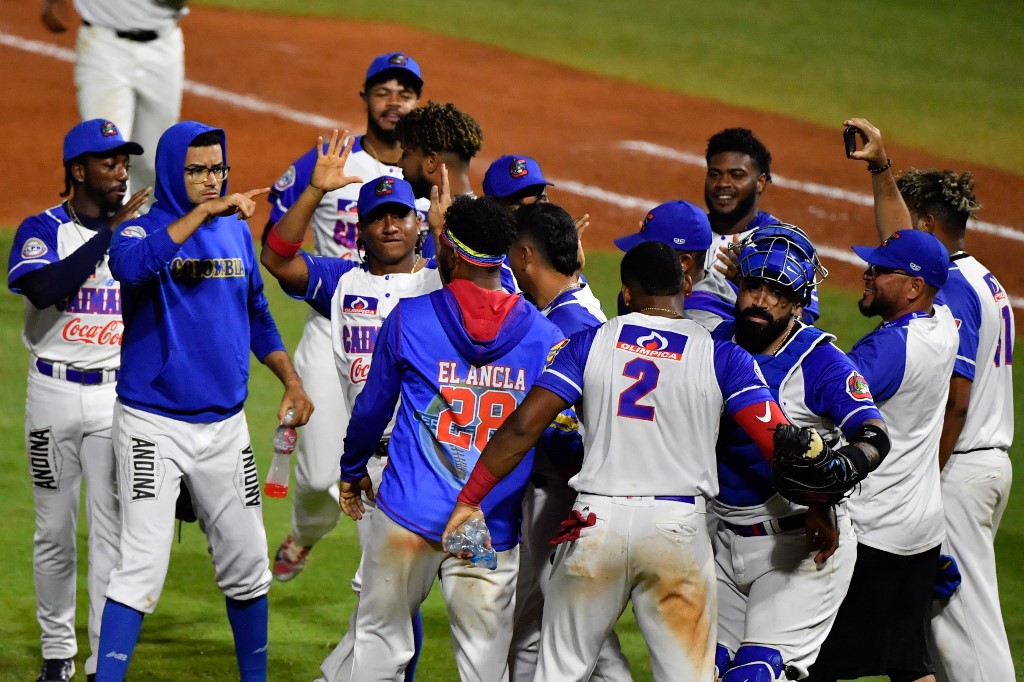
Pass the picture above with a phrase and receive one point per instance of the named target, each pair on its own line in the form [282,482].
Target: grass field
[941,75]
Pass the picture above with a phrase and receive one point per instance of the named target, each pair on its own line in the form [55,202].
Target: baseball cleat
[290,559]
[57,670]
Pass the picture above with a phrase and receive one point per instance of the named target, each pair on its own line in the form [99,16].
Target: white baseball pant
[399,568]
[772,594]
[67,435]
[654,552]
[136,85]
[153,454]
[970,642]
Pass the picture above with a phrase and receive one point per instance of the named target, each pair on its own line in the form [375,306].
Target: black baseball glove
[807,471]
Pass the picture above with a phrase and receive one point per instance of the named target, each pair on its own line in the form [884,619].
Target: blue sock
[119,631]
[417,638]
[249,624]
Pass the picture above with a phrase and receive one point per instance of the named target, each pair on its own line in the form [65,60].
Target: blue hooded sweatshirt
[192,312]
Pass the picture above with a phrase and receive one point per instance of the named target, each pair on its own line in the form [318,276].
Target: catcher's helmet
[783,254]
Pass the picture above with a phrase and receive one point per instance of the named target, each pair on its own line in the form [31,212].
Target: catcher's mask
[782,254]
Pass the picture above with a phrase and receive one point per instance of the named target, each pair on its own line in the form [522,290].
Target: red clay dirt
[570,120]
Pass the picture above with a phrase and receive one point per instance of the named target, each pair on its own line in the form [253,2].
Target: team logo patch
[385,187]
[651,343]
[857,387]
[360,305]
[33,248]
[286,180]
[134,231]
[553,353]
[398,59]
[147,471]
[40,460]
[247,480]
[518,169]
[108,129]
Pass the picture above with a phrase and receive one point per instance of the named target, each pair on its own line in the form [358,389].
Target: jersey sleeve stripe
[966,359]
[742,391]
[842,425]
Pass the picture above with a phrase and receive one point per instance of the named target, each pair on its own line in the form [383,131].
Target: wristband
[281,247]
[857,458]
[883,168]
[876,437]
[480,482]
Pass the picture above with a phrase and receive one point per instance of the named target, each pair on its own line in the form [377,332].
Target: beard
[388,137]
[743,206]
[753,336]
[876,307]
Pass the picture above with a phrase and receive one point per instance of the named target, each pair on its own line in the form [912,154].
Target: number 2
[646,374]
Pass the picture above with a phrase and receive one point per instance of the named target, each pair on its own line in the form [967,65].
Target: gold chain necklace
[671,313]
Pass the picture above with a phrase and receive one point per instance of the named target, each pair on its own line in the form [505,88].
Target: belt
[771,527]
[76,376]
[136,36]
[689,499]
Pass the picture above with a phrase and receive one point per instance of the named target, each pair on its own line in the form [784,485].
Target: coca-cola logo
[359,370]
[109,334]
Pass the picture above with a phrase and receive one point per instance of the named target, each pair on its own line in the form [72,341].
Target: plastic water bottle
[472,537]
[284,444]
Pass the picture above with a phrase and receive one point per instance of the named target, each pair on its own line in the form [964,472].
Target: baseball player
[739,170]
[193,309]
[355,298]
[882,626]
[73,327]
[775,557]
[685,228]
[970,641]
[543,258]
[391,89]
[129,67]
[461,358]
[651,383]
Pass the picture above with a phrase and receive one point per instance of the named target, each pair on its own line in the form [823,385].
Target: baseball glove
[807,471]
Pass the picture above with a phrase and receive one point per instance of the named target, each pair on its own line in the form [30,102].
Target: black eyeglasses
[200,174]
[876,270]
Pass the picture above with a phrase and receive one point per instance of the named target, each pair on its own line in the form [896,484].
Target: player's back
[651,409]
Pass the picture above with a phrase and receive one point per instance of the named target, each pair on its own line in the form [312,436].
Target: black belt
[75,376]
[136,36]
[771,527]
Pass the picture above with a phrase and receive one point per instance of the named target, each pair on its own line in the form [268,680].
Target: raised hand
[130,209]
[440,200]
[873,151]
[240,204]
[329,171]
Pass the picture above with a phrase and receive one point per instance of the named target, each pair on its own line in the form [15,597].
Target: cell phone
[850,134]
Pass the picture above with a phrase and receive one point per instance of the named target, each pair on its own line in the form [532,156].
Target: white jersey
[907,362]
[335,222]
[653,390]
[985,323]
[131,15]
[83,331]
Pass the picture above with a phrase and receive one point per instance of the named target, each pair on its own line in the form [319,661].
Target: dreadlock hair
[481,223]
[945,194]
[653,268]
[441,128]
[743,141]
[68,178]
[553,231]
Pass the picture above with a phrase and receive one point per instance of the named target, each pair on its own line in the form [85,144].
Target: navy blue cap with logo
[384,190]
[917,253]
[679,224]
[512,174]
[394,61]
[97,136]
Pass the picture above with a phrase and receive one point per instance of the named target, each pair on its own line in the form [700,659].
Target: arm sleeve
[290,185]
[324,274]
[375,404]
[882,358]
[263,335]
[563,375]
[47,285]
[137,255]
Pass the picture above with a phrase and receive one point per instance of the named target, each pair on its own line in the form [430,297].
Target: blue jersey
[455,392]
[816,385]
[192,312]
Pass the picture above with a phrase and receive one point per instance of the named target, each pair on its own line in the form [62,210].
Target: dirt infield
[573,122]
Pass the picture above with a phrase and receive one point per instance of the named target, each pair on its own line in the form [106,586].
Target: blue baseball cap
[512,174]
[384,190]
[96,136]
[915,252]
[394,60]
[678,224]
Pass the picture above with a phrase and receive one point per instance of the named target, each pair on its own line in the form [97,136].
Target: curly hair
[481,223]
[743,141]
[945,194]
[441,128]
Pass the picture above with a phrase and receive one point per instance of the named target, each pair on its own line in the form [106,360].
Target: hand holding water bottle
[472,541]
[284,443]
